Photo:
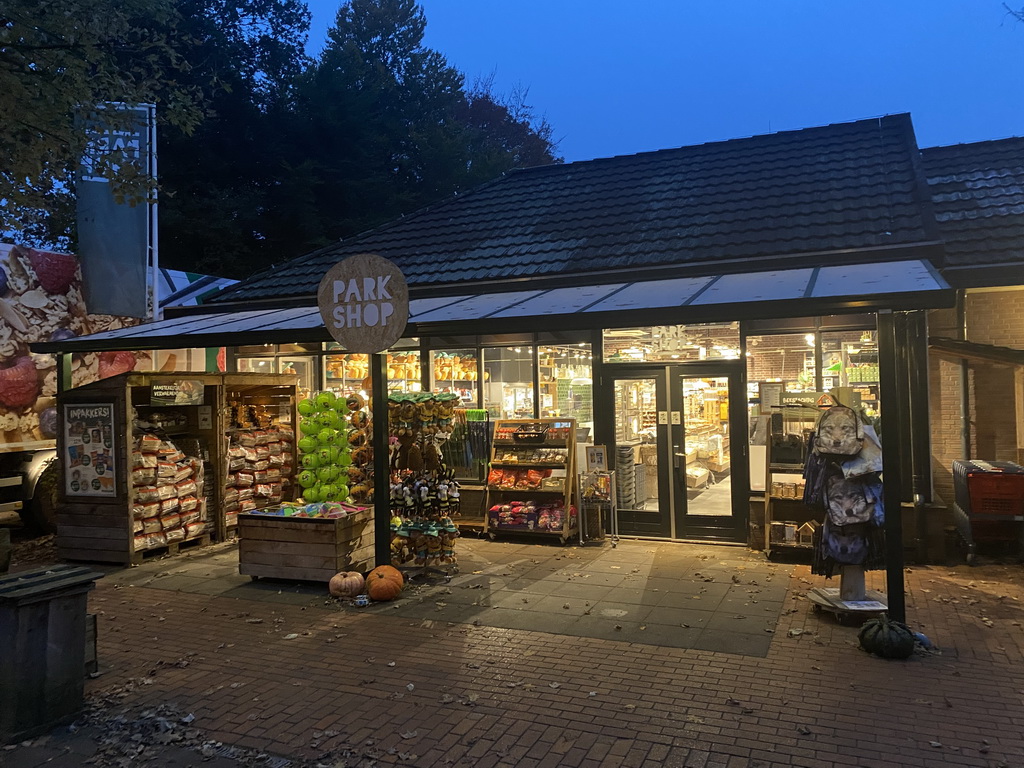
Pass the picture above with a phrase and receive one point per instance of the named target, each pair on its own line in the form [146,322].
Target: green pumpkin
[886,638]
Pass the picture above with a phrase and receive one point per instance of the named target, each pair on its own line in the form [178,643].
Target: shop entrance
[680,452]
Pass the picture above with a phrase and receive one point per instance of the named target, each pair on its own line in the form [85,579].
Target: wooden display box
[304,548]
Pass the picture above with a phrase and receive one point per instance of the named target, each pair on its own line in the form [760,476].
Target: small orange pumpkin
[384,583]
[346,584]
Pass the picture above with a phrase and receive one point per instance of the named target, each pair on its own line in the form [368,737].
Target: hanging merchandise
[424,492]
[843,482]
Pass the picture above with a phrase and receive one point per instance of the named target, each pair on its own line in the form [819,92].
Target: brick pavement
[309,682]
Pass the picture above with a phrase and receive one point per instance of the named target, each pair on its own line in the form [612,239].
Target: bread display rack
[531,481]
[148,460]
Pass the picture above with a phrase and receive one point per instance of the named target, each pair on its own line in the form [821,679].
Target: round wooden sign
[364,302]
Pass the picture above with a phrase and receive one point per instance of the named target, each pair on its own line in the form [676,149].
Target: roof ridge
[705,144]
[963,144]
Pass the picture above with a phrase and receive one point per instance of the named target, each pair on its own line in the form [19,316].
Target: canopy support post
[381,474]
[891,480]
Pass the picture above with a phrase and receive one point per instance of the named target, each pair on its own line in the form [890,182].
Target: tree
[506,132]
[391,127]
[56,57]
[216,180]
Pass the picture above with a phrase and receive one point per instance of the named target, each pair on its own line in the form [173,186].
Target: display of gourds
[887,638]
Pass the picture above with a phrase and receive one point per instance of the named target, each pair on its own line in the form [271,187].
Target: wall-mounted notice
[184,392]
[89,449]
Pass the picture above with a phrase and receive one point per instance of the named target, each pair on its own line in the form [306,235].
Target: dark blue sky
[618,77]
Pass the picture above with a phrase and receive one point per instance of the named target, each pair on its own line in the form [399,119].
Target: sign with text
[364,303]
[116,238]
[184,392]
[89,449]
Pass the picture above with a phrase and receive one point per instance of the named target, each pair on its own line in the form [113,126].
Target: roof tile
[845,186]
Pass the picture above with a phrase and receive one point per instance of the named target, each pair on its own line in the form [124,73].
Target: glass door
[641,435]
[709,460]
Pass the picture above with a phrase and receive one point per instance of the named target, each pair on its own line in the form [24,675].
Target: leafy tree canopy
[57,56]
[264,154]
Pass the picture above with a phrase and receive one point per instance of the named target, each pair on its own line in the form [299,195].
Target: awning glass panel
[673,292]
[471,307]
[868,279]
[898,285]
[559,301]
[757,286]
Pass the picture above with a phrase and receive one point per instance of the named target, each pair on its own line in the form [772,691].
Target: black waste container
[42,648]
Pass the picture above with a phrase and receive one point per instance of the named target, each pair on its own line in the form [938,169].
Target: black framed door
[708,438]
[679,449]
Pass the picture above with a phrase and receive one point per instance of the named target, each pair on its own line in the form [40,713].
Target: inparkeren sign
[364,303]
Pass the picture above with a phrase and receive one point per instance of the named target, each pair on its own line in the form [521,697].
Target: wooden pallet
[170,549]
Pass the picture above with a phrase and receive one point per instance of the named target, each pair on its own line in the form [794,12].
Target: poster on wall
[89,449]
[184,392]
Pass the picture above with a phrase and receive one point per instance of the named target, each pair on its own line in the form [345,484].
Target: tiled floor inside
[708,597]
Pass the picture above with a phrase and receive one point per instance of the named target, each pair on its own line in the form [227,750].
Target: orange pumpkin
[346,584]
[384,583]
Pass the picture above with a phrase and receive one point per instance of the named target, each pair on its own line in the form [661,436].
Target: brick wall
[992,318]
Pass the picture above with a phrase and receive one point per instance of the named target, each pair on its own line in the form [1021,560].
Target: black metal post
[891,485]
[381,474]
[920,432]
[903,398]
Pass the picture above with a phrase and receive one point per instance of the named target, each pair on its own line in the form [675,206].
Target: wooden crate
[304,549]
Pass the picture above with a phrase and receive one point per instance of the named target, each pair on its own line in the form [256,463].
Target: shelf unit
[552,456]
[783,494]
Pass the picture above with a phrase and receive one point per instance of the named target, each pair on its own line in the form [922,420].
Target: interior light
[810,339]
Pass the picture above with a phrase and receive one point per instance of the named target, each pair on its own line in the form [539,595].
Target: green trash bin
[42,648]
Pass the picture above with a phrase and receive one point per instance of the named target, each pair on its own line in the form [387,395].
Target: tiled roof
[978,194]
[839,187]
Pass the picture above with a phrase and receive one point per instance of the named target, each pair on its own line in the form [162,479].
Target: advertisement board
[89,450]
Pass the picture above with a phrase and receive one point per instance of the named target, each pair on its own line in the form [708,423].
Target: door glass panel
[636,444]
[708,482]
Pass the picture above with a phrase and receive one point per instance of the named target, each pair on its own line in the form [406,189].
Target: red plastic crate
[996,494]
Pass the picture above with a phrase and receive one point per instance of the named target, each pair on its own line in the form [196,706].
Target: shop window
[508,382]
[850,360]
[672,343]
[566,384]
[786,359]
[776,364]
[457,371]
[347,373]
